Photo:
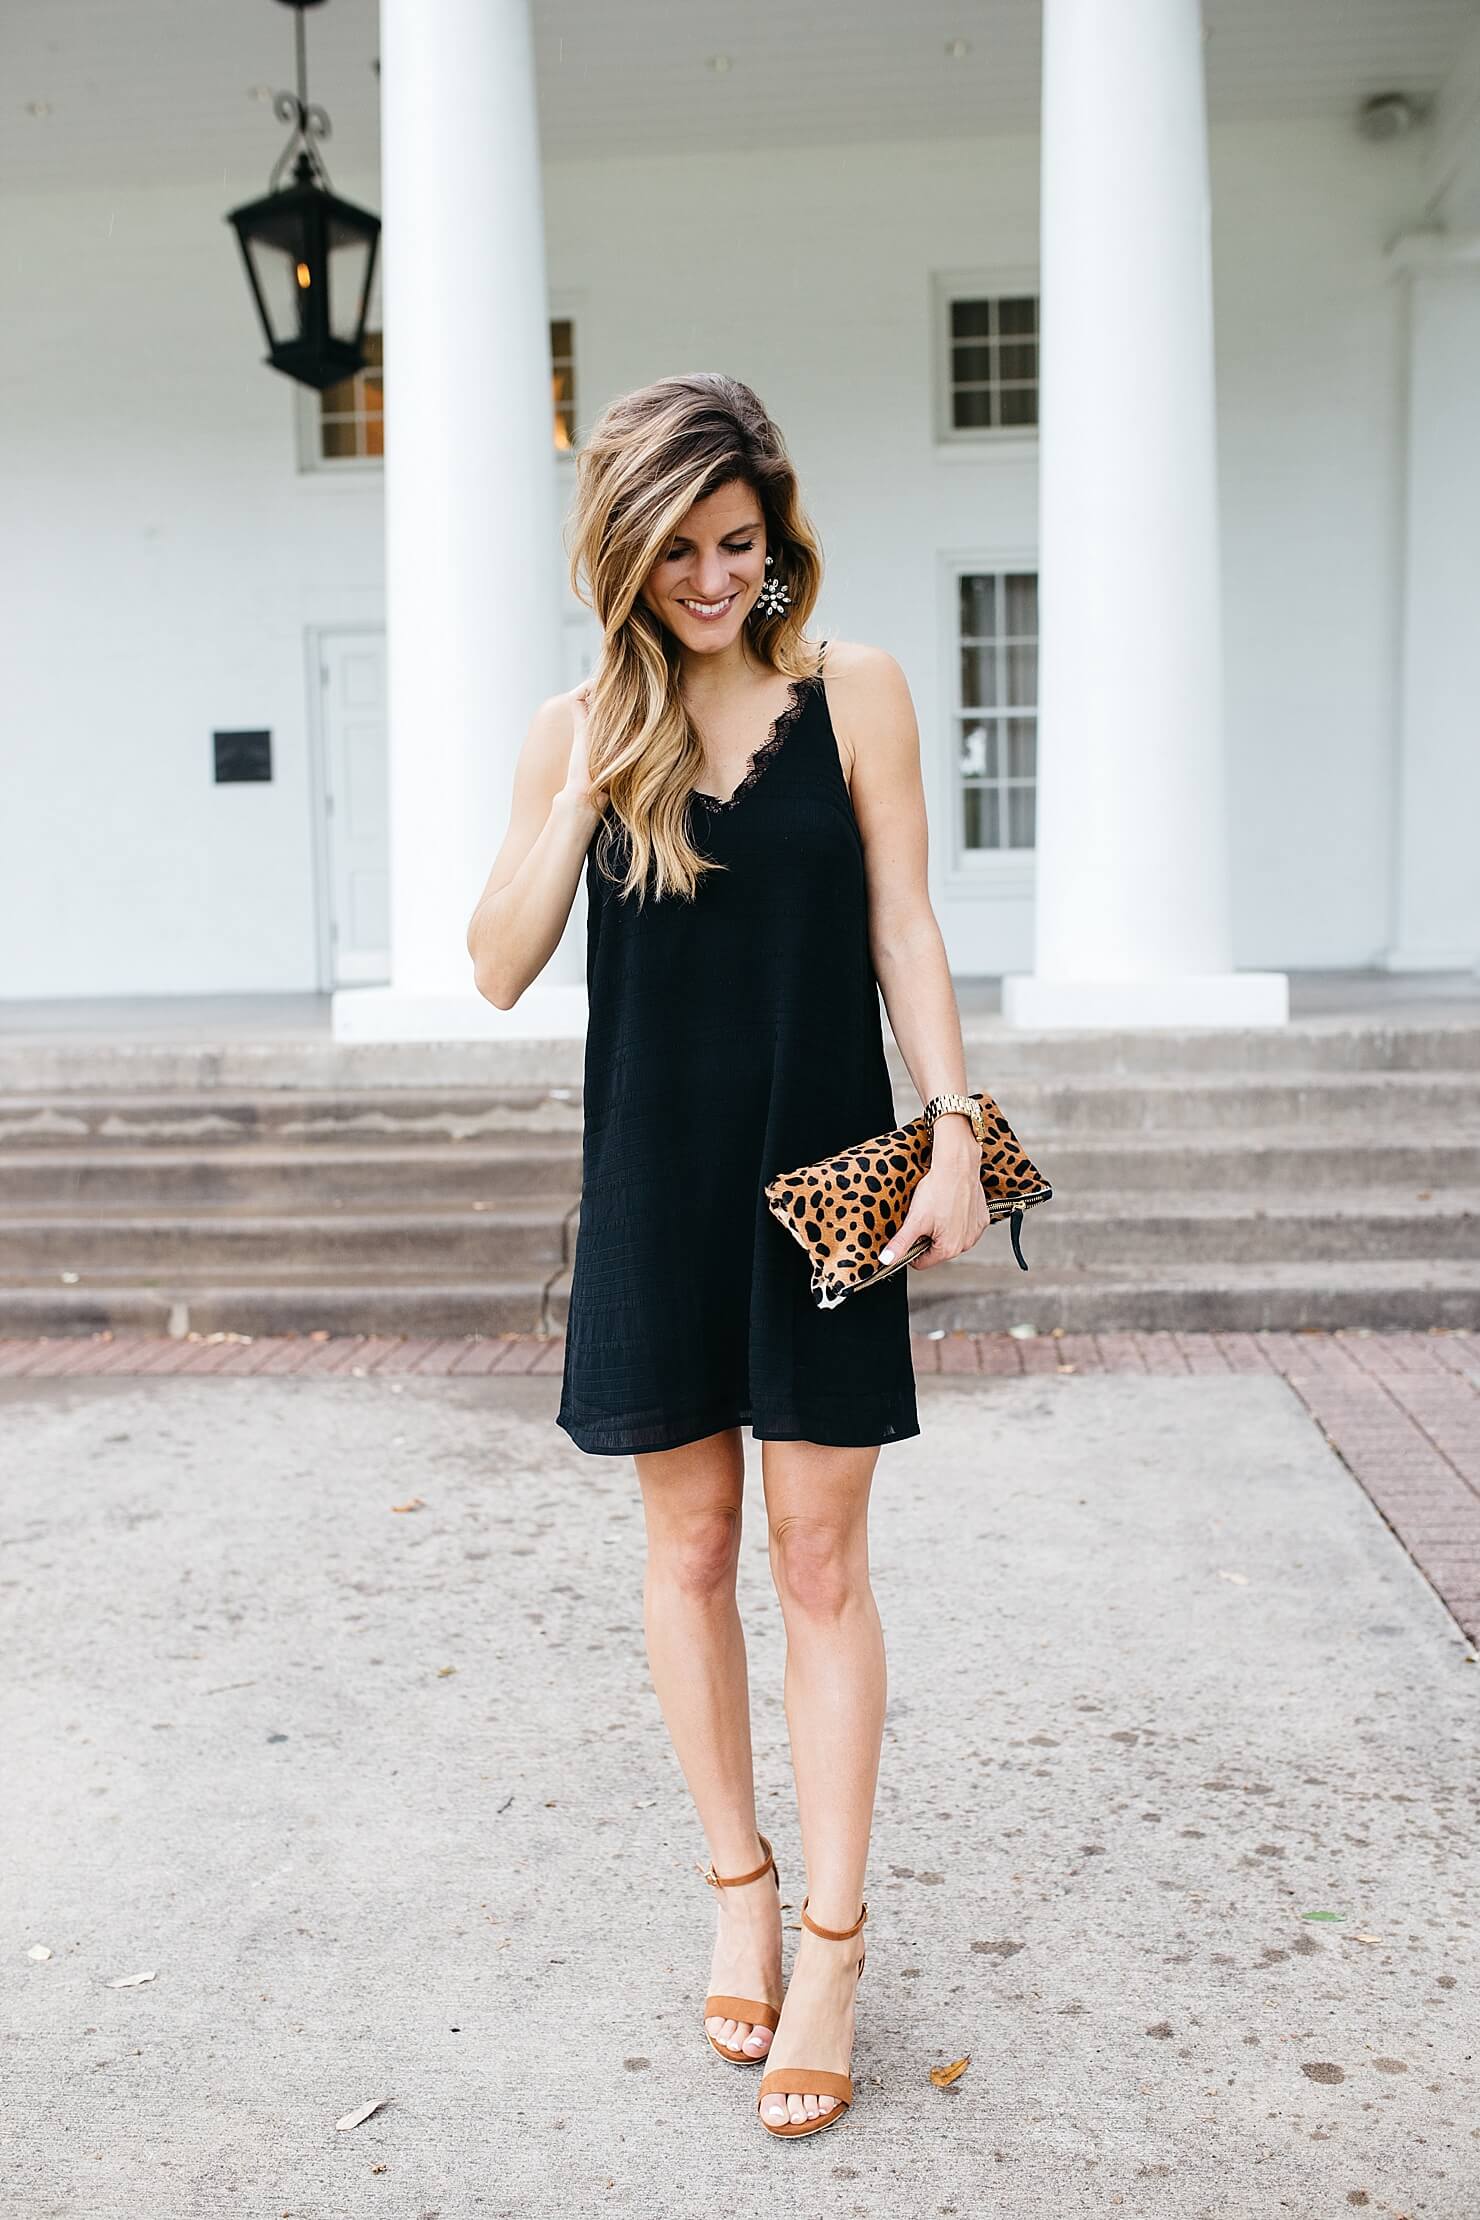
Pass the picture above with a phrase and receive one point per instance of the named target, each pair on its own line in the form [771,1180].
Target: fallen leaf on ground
[38,1950]
[943,2076]
[130,1980]
[353,2119]
[412,1503]
[1241,1578]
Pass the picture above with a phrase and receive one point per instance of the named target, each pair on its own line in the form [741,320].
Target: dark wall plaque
[242,755]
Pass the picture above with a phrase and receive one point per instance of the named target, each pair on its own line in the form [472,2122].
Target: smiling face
[708,578]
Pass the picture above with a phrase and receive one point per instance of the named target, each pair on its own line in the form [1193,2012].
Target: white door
[357,789]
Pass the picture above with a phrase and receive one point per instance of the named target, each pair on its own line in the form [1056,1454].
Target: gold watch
[966,1103]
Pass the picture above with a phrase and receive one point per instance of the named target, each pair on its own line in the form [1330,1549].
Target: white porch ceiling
[149,92]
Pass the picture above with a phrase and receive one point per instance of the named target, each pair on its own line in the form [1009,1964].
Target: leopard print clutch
[844,1209]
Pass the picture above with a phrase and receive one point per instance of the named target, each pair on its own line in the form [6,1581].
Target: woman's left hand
[948,1204]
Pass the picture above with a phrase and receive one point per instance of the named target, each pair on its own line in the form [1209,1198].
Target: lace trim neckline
[796,698]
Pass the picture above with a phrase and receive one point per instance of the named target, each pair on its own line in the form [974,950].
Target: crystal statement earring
[773,596]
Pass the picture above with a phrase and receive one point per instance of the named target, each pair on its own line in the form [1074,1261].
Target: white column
[1436,895]
[471,521]
[1132,895]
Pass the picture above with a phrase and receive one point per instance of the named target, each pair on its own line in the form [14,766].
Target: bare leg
[817,1504]
[692,1500]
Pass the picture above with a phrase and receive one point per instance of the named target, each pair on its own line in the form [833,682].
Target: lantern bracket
[308,119]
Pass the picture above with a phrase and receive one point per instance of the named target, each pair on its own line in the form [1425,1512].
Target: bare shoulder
[849,659]
[869,698]
[554,721]
[544,755]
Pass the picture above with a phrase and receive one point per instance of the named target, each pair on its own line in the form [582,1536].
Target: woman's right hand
[578,770]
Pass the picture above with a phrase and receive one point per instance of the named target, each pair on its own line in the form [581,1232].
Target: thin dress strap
[821,655]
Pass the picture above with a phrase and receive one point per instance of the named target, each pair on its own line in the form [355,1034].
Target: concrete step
[285,1301]
[1291,1161]
[289,1117]
[1270,1161]
[1392,1295]
[477,1241]
[1040,1111]
[42,1063]
[1214,1230]
[263,1175]
[1105,1233]
[481,1240]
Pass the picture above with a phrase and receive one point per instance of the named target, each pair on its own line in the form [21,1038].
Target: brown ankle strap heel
[752,2010]
[799,2080]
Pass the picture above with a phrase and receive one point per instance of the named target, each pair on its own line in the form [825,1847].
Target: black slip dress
[729,1038]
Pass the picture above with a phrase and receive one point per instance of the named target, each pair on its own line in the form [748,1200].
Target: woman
[754,844]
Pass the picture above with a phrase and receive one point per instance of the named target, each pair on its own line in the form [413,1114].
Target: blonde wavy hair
[648,458]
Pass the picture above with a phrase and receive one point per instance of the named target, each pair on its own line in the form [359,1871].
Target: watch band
[965,1103]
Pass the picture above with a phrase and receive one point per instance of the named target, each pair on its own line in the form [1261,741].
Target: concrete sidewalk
[383,1802]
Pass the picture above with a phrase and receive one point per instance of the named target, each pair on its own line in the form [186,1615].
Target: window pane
[972,411]
[1020,816]
[973,364]
[978,605]
[1021,591]
[970,319]
[1018,405]
[1018,362]
[1022,749]
[973,758]
[978,677]
[1017,316]
[981,749]
[1022,677]
[980,817]
[337,439]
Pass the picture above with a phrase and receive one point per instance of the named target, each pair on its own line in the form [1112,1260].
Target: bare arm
[874,717]
[526,903]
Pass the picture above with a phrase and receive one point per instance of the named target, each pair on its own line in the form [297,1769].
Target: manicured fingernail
[886,1256]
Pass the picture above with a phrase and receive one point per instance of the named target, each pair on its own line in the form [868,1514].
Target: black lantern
[310,256]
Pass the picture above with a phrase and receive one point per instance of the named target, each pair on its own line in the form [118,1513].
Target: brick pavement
[1401,1410]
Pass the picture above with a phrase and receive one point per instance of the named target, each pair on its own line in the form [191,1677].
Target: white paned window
[996,737]
[985,368]
[344,426]
[993,366]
